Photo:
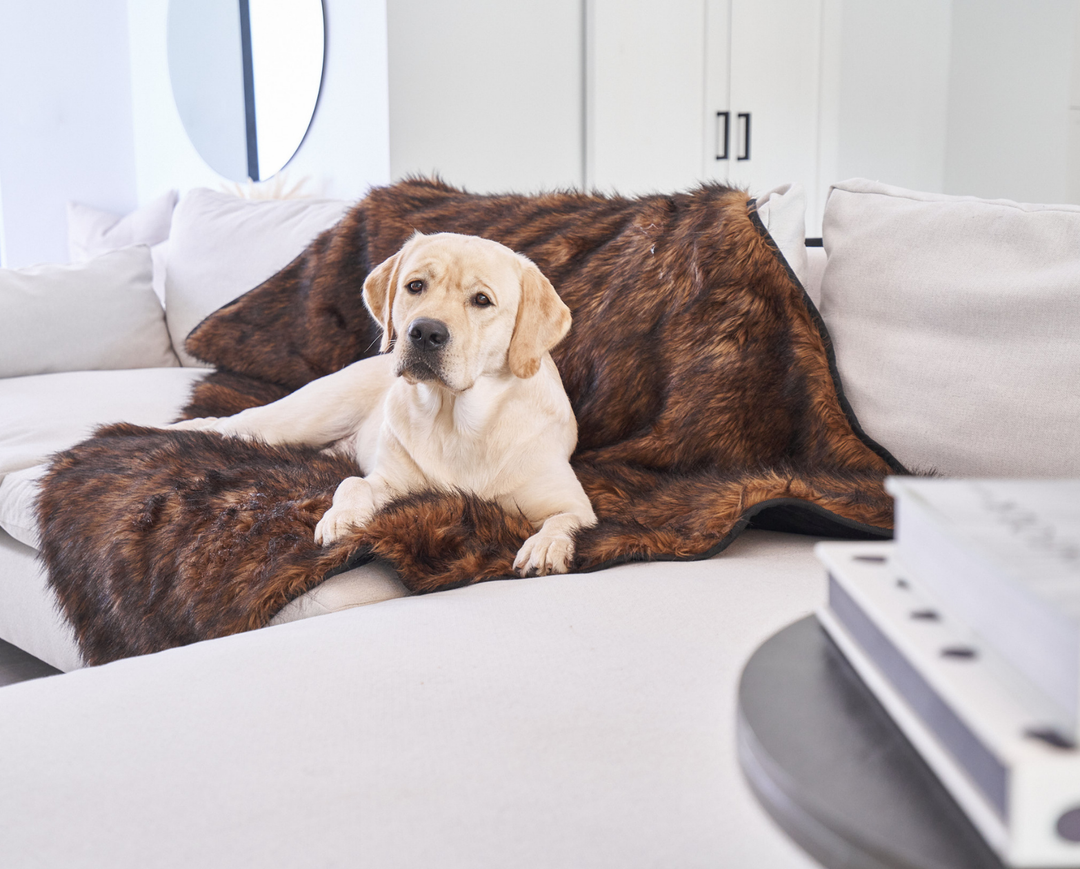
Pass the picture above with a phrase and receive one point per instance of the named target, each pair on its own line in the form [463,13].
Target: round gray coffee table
[831,768]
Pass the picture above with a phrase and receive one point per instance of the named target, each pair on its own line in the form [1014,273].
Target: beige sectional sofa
[580,720]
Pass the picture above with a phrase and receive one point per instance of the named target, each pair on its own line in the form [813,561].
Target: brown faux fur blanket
[702,378]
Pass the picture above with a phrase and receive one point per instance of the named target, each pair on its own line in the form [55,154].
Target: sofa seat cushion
[558,721]
[45,413]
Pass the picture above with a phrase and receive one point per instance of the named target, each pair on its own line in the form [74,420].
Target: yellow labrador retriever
[469,399]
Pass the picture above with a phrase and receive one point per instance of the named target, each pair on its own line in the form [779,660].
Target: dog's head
[461,307]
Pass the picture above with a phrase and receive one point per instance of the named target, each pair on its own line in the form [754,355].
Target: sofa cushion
[955,324]
[46,413]
[222,246]
[18,504]
[556,721]
[101,314]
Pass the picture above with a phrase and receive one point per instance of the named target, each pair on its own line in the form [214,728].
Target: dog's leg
[355,502]
[559,506]
[319,413]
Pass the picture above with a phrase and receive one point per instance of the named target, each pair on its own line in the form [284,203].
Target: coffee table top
[833,770]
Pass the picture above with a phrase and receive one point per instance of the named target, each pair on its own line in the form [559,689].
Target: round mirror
[246,76]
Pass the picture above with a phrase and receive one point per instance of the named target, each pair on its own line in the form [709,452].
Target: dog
[464,396]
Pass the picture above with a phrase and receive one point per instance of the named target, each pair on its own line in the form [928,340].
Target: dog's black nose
[427,335]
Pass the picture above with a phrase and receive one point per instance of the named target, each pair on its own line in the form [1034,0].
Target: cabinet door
[773,94]
[644,94]
[487,93]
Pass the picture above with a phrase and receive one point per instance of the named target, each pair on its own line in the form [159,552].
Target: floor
[19,666]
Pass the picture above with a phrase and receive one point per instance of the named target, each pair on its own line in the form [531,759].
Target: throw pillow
[222,246]
[92,232]
[102,314]
[955,322]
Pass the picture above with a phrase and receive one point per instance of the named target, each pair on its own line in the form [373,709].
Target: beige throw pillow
[101,314]
[956,325]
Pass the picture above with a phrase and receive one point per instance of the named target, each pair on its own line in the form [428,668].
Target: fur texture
[700,375]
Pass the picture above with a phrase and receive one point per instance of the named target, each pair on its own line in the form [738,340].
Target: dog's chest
[471,446]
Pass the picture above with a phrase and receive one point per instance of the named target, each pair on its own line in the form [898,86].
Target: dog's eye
[415,286]
[481,301]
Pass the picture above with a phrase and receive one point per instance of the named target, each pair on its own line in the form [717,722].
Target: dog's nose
[427,335]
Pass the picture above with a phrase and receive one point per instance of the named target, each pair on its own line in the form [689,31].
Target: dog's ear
[542,321]
[380,288]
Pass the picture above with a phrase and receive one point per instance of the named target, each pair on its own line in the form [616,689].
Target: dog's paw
[335,524]
[203,423]
[353,508]
[544,553]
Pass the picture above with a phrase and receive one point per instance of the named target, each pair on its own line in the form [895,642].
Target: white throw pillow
[222,246]
[956,325]
[95,315]
[782,211]
[92,232]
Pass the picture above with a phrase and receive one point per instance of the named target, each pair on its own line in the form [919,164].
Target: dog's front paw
[544,553]
[336,523]
[353,508]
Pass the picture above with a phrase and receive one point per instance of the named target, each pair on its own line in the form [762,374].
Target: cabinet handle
[745,118]
[724,137]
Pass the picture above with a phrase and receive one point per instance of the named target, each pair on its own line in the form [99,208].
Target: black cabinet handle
[724,137]
[745,118]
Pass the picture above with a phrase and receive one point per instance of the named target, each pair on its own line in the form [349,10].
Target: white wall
[1009,94]
[347,148]
[892,104]
[65,121]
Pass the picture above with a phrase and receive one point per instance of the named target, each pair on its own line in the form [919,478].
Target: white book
[979,724]
[1003,556]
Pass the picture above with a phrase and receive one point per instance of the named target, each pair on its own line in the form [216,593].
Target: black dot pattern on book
[925,615]
[1052,737]
[873,559]
[1068,826]
[960,652]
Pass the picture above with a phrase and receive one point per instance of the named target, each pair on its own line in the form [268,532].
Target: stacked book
[967,629]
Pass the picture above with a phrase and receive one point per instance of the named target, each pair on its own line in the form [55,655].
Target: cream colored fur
[485,414]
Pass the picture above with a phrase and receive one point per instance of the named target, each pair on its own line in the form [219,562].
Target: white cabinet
[645,81]
[638,96]
[764,88]
[487,93]
[693,90]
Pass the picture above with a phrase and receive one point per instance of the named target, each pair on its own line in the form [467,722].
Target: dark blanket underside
[701,376]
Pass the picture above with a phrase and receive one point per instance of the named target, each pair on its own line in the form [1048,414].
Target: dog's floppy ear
[542,322]
[380,287]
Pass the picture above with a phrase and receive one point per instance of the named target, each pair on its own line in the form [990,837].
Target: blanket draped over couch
[701,375]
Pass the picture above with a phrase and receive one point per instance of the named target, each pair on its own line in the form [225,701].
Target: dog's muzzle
[422,359]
